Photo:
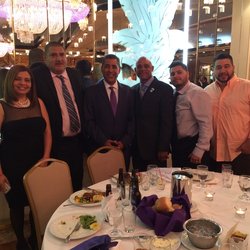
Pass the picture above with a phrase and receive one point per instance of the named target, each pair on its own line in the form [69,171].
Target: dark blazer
[100,122]
[47,92]
[153,119]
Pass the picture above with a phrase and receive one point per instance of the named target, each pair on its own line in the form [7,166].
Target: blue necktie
[113,100]
[73,117]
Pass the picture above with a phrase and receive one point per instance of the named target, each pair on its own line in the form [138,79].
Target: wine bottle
[108,190]
[135,192]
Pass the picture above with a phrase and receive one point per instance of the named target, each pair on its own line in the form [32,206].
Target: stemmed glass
[202,172]
[115,218]
[244,183]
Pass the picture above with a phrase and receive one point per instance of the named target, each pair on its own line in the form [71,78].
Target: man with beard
[192,128]
[231,120]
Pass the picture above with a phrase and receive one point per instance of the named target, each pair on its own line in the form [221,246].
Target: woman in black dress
[25,139]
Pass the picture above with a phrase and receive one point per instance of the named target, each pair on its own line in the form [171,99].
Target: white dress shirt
[194,116]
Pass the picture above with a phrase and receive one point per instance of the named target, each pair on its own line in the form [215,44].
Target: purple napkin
[102,242]
[163,223]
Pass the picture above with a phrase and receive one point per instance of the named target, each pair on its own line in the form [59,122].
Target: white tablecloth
[221,210]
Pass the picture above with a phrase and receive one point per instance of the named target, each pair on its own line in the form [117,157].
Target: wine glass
[244,183]
[202,172]
[115,218]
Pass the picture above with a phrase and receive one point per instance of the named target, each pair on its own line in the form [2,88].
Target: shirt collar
[107,86]
[230,83]
[184,89]
[64,74]
[148,82]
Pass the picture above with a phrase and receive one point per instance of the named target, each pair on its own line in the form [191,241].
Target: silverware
[69,204]
[76,228]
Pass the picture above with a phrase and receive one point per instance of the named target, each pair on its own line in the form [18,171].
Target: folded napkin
[102,242]
[163,223]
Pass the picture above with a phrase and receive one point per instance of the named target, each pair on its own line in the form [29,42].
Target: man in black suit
[53,80]
[108,111]
[153,118]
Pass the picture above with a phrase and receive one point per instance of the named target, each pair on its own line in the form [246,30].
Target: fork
[76,228]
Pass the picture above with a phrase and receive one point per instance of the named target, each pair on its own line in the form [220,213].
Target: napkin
[163,223]
[102,242]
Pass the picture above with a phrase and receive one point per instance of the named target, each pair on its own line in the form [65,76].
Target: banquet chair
[104,163]
[47,185]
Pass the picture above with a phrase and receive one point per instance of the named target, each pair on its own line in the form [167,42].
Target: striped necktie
[113,100]
[73,117]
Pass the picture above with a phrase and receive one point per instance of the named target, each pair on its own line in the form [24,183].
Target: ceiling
[83,44]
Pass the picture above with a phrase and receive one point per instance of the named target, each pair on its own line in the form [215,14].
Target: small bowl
[202,233]
[163,243]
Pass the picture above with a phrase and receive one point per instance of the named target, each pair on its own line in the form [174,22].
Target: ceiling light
[207,9]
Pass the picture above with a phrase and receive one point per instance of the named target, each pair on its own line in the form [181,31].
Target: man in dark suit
[60,90]
[153,118]
[108,111]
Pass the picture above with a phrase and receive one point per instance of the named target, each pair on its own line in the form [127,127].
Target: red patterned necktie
[113,100]
[73,117]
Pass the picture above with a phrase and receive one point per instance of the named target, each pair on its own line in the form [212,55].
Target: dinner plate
[210,175]
[80,193]
[186,242]
[64,225]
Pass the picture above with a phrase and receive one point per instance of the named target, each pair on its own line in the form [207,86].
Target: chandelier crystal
[30,16]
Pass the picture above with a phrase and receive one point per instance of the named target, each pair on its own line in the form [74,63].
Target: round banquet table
[221,210]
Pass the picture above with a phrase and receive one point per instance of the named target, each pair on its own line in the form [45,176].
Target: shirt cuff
[198,152]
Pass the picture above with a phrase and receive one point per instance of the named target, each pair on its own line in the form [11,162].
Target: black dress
[22,146]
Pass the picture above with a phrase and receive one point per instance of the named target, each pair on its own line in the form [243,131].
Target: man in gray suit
[108,111]
[153,118]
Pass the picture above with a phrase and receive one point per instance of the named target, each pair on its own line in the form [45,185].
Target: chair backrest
[105,162]
[47,185]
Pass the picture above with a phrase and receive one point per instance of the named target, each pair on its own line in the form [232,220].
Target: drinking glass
[228,246]
[202,171]
[153,174]
[244,183]
[115,219]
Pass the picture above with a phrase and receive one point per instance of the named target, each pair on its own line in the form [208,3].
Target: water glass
[226,167]
[152,171]
[115,218]
[145,182]
[228,246]
[129,219]
[161,184]
[227,178]
[202,172]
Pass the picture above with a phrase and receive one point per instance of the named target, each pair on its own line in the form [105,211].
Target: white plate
[80,193]
[172,236]
[63,226]
[186,242]
[210,175]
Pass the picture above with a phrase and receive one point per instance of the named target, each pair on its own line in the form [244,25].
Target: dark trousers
[240,165]
[141,164]
[182,148]
[69,149]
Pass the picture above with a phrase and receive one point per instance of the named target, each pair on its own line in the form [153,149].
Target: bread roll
[163,204]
